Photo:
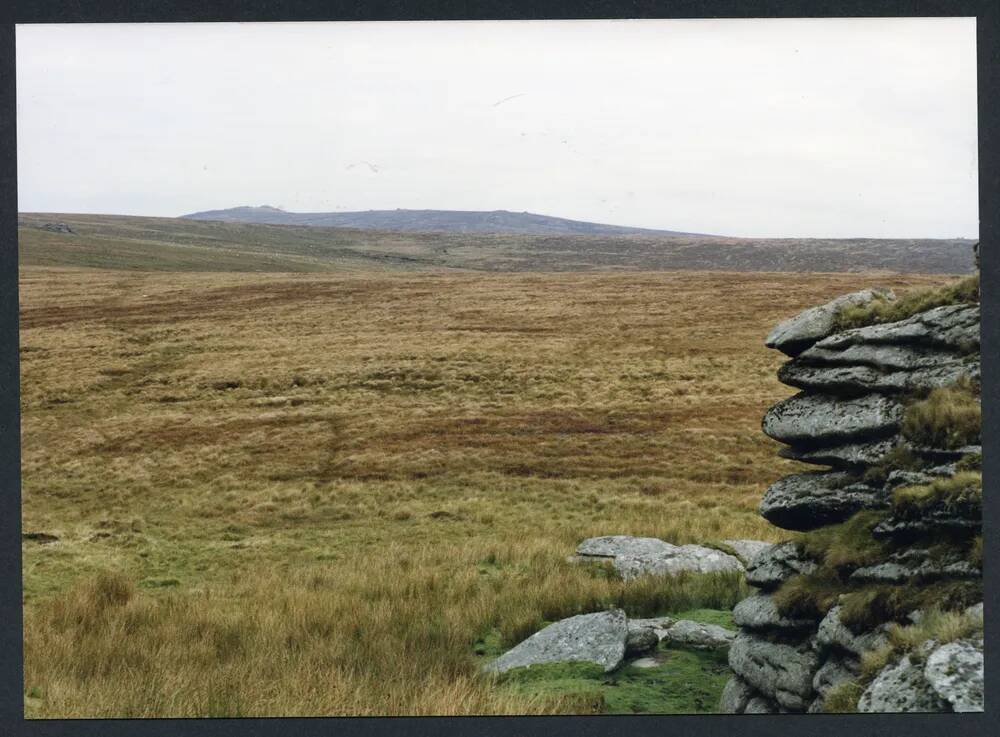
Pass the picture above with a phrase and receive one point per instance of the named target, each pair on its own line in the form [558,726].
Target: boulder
[776,563]
[955,673]
[835,670]
[776,670]
[901,687]
[805,501]
[698,635]
[735,696]
[794,335]
[597,638]
[951,521]
[916,565]
[852,456]
[951,327]
[760,705]
[858,379]
[745,550]
[823,419]
[759,612]
[642,636]
[832,633]
[636,556]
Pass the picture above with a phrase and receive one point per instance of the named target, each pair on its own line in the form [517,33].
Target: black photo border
[12,722]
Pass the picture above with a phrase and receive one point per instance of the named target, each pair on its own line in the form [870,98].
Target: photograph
[499,367]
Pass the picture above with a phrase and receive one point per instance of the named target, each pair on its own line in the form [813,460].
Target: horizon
[776,128]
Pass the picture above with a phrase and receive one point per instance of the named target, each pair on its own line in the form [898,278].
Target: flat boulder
[759,612]
[805,501]
[637,556]
[916,565]
[596,638]
[822,419]
[776,563]
[796,334]
[745,550]
[850,455]
[698,635]
[951,327]
[834,634]
[861,379]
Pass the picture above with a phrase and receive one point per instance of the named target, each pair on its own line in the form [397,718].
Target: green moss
[881,310]
[949,417]
[961,493]
[685,682]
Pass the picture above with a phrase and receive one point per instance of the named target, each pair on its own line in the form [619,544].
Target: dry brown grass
[316,492]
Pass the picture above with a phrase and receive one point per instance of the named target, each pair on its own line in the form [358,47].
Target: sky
[763,128]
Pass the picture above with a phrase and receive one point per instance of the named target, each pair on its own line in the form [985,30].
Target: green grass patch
[685,682]
[846,545]
[881,310]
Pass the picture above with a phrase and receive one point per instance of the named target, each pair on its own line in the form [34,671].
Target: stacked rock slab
[854,388]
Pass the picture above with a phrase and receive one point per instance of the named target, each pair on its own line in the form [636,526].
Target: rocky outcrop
[850,415]
[636,556]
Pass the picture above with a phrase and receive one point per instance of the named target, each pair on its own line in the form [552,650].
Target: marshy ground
[312,494]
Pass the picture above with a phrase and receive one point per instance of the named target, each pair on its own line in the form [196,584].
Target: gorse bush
[881,310]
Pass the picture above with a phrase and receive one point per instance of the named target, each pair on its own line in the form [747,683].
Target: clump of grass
[961,493]
[846,545]
[808,595]
[899,458]
[843,698]
[970,462]
[868,607]
[882,310]
[949,417]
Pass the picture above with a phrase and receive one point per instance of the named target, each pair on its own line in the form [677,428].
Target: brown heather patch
[314,492]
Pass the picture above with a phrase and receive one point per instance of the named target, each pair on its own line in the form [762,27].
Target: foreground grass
[319,493]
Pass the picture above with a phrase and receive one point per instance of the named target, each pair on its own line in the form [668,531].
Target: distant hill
[447,221]
[179,244]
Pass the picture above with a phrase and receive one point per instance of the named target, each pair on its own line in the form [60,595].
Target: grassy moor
[340,493]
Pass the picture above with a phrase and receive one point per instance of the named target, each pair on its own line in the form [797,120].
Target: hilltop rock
[832,633]
[597,638]
[818,419]
[955,673]
[636,556]
[805,501]
[776,563]
[759,612]
[796,334]
[735,696]
[777,670]
[952,327]
[901,687]
[745,549]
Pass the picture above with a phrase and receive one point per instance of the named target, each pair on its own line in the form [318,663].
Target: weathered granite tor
[855,387]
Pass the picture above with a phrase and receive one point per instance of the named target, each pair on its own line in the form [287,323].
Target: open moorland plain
[340,493]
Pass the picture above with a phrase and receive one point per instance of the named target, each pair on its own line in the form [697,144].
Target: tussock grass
[321,492]
[961,492]
[846,545]
[881,310]
[872,605]
[950,417]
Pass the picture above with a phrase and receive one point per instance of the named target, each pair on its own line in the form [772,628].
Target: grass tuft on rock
[881,310]
[843,698]
[846,545]
[949,417]
[961,493]
[808,595]
[868,607]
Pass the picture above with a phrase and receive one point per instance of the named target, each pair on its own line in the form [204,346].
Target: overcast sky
[826,128]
